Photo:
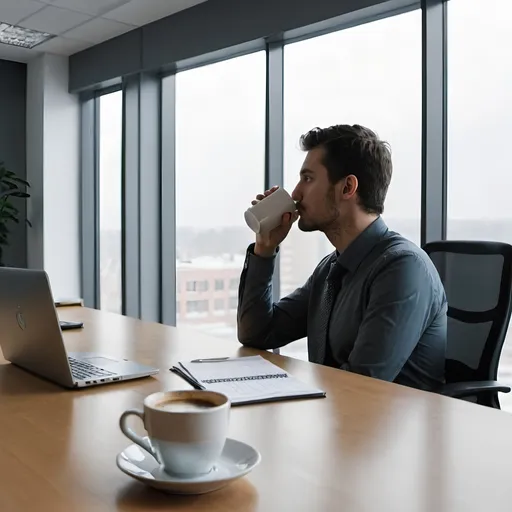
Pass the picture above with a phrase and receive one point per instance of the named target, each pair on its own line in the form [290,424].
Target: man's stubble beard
[331,219]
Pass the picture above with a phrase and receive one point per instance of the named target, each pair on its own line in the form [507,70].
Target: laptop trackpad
[99,361]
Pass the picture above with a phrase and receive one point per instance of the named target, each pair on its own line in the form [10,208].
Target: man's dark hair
[359,151]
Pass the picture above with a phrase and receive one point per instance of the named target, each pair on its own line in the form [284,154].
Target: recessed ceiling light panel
[20,36]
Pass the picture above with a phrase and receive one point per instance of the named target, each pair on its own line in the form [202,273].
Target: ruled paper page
[249,379]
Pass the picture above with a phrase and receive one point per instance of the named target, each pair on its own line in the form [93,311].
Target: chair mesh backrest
[477,280]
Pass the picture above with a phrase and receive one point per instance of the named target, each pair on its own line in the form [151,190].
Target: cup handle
[131,435]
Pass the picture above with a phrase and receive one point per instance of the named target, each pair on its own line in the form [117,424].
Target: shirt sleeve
[262,323]
[401,306]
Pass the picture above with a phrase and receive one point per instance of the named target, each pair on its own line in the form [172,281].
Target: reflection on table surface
[368,445]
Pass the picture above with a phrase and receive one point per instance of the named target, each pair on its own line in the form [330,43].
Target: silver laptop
[31,337]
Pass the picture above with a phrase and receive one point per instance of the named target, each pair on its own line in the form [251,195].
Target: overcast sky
[369,75]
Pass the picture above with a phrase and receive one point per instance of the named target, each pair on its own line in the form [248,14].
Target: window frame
[90,193]
[151,294]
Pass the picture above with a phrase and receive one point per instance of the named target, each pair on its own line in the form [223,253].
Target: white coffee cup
[187,429]
[267,214]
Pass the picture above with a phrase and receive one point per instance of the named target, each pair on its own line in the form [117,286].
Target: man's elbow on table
[253,336]
[259,342]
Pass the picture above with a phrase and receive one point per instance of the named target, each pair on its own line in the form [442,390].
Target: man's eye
[307,178]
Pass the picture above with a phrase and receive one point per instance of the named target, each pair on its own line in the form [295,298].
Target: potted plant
[10,186]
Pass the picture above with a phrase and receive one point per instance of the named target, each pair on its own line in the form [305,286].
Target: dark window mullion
[434,133]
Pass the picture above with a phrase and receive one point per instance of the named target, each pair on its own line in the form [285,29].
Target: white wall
[53,169]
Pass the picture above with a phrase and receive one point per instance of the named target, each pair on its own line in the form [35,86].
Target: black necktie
[320,349]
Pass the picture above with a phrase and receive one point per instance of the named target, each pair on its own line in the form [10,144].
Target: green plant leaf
[21,181]
[12,176]
[5,209]
[10,216]
[11,186]
[20,194]
[13,192]
[15,182]
[6,216]
[8,192]
[8,206]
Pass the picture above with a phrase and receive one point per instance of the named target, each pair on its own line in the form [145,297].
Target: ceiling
[79,24]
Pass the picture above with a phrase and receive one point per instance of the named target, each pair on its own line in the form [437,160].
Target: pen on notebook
[210,360]
[184,369]
[193,382]
[187,378]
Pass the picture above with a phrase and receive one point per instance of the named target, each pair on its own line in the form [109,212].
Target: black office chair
[477,277]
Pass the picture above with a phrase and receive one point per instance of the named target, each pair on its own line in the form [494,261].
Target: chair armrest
[463,389]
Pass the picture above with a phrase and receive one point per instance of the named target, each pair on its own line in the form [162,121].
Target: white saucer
[237,459]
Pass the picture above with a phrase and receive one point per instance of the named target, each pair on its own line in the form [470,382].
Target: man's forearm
[255,304]
[262,323]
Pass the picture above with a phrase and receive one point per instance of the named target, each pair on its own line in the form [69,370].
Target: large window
[479,129]
[110,165]
[369,75]
[220,167]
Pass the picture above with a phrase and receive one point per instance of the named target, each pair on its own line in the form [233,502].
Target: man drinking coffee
[375,306]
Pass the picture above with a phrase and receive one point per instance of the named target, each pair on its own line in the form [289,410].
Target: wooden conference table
[368,446]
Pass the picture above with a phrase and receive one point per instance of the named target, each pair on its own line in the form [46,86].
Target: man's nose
[296,195]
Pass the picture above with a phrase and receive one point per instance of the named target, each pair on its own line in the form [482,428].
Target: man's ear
[350,186]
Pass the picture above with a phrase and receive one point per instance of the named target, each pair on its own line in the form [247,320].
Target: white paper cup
[266,215]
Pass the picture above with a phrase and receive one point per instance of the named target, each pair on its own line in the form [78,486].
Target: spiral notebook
[245,380]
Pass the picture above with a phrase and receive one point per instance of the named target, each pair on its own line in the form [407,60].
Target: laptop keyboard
[82,370]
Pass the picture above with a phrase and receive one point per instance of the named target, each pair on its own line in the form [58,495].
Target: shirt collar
[359,248]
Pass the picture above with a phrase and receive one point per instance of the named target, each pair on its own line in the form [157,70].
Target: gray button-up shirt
[388,321]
